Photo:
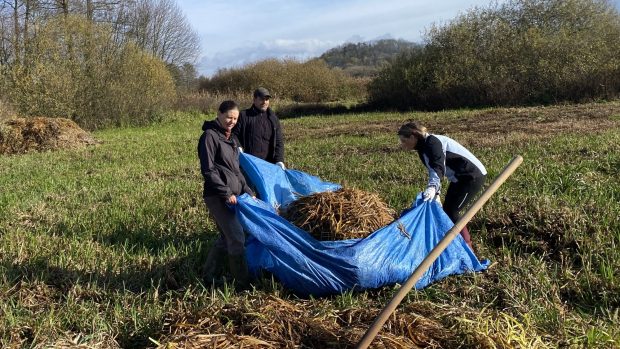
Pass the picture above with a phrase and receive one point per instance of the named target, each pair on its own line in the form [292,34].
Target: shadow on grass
[136,279]
[100,285]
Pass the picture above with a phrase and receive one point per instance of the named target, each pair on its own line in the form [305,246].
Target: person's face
[261,103]
[228,119]
[408,143]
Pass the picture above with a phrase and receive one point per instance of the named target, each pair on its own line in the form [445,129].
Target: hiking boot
[214,265]
[239,270]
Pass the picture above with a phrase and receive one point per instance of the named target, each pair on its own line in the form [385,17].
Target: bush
[6,111]
[206,102]
[311,81]
[76,70]
[519,52]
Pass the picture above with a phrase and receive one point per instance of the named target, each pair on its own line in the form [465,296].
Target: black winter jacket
[219,163]
[248,133]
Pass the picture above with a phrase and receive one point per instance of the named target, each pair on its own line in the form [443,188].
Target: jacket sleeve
[206,152]
[279,151]
[435,162]
[245,187]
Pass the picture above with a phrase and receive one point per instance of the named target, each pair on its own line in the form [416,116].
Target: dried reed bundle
[343,214]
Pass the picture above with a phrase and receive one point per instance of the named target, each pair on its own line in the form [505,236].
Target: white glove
[281,164]
[429,193]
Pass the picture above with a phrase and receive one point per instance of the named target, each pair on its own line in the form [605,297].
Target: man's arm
[279,151]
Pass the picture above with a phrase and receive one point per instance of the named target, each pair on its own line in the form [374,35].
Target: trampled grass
[102,246]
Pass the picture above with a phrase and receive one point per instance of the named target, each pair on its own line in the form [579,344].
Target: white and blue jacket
[443,156]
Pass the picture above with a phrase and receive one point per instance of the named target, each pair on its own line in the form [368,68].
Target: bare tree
[6,33]
[161,28]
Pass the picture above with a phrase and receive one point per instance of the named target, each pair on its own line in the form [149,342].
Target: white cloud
[280,48]
[236,32]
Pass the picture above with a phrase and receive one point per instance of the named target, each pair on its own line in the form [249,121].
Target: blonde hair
[412,129]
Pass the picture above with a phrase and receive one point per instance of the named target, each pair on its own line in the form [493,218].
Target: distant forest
[365,58]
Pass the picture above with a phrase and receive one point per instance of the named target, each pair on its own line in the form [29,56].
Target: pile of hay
[22,135]
[343,214]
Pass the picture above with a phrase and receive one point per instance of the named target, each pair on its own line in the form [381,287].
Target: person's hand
[232,200]
[240,150]
[429,193]
[281,164]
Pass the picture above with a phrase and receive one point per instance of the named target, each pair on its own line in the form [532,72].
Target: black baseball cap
[262,93]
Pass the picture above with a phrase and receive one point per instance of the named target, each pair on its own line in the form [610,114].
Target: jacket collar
[258,111]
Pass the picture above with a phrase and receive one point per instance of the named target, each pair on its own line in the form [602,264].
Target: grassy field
[102,247]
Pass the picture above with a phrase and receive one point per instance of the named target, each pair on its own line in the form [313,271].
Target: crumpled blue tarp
[311,267]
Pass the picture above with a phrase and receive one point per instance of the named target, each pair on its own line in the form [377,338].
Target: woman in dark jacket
[443,156]
[218,150]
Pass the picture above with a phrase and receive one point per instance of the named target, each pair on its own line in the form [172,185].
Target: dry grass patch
[342,214]
[23,135]
[271,322]
[72,340]
[498,126]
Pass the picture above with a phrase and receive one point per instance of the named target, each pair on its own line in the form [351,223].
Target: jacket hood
[212,125]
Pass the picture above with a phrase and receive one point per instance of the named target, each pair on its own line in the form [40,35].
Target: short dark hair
[227,106]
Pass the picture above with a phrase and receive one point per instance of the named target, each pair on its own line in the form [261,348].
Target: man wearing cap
[259,131]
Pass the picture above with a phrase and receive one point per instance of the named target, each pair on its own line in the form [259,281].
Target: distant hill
[365,58]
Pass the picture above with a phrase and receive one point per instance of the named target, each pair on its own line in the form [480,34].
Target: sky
[236,32]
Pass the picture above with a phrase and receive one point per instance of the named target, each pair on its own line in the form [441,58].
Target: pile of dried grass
[343,214]
[22,135]
[272,322]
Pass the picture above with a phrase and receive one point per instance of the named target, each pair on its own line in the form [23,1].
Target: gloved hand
[281,164]
[429,193]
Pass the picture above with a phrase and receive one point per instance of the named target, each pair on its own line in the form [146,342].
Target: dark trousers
[232,237]
[459,194]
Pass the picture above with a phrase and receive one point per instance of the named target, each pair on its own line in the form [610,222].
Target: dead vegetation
[23,135]
[346,213]
[271,322]
[498,125]
[72,340]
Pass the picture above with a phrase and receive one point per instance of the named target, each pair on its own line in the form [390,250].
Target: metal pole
[432,256]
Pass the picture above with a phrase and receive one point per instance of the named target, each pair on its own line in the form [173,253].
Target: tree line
[519,52]
[99,62]
[106,62]
[364,59]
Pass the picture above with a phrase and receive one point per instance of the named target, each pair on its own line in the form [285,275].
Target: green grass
[107,242]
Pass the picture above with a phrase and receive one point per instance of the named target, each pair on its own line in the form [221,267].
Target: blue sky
[235,32]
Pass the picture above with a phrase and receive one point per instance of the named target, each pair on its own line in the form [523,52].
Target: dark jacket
[219,163]
[249,132]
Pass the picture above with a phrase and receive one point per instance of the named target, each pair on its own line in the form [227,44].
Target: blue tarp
[311,267]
